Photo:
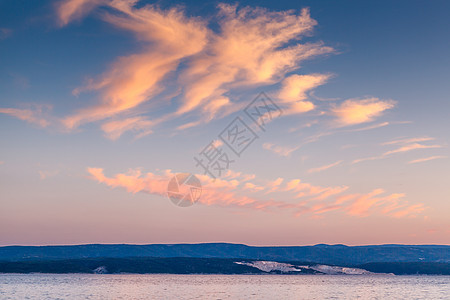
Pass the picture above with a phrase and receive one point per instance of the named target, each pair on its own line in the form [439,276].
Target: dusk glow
[345,108]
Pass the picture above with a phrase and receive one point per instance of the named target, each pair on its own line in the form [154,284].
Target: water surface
[130,286]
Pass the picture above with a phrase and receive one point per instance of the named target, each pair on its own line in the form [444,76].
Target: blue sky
[102,102]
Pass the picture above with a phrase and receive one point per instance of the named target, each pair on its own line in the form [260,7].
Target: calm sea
[81,286]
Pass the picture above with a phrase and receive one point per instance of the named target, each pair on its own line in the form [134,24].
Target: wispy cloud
[316,137]
[406,145]
[411,147]
[375,126]
[279,150]
[362,204]
[44,174]
[20,81]
[412,210]
[36,114]
[357,111]
[409,140]
[326,167]
[426,159]
[5,33]
[71,10]
[114,129]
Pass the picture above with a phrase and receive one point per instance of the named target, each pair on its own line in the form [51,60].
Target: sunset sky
[102,102]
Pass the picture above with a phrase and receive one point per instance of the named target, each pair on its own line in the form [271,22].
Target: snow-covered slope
[339,270]
[269,266]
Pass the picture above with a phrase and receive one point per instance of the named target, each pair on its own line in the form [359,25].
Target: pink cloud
[232,190]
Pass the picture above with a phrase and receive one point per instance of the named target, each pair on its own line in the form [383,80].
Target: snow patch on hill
[269,266]
[334,270]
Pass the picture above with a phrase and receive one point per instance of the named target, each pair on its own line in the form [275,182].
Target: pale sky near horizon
[103,101]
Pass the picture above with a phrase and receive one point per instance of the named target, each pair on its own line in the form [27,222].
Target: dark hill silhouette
[326,254]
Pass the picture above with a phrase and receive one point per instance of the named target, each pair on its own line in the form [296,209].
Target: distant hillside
[190,265]
[325,254]
[142,265]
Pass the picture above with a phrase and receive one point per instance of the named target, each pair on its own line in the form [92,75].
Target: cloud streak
[426,159]
[411,147]
[279,150]
[326,167]
[234,190]
[404,145]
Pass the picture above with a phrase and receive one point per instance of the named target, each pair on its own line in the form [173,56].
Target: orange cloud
[354,111]
[253,47]
[294,88]
[169,37]
[253,187]
[250,50]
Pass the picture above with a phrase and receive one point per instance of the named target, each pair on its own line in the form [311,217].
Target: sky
[306,122]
